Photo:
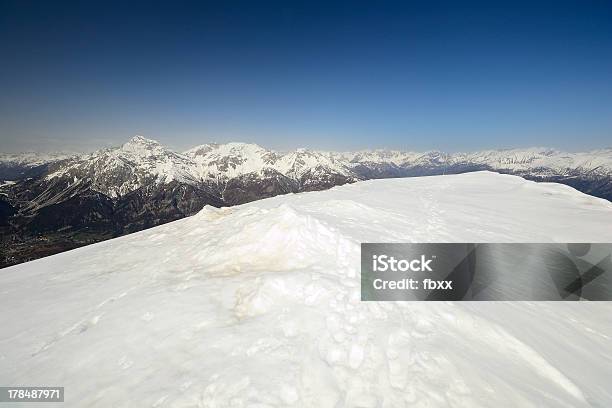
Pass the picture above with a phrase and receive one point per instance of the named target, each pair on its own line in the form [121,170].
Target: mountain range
[58,201]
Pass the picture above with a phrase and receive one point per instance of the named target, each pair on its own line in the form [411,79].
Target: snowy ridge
[259,305]
[140,162]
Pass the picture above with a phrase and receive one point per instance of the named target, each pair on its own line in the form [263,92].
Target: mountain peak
[141,145]
[139,139]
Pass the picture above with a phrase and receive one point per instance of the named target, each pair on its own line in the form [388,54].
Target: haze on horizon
[324,75]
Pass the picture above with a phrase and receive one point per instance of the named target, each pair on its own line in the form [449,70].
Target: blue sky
[331,75]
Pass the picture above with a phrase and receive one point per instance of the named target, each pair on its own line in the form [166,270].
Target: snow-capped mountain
[33,158]
[226,161]
[542,161]
[141,162]
[15,166]
[142,183]
[118,171]
[309,170]
[259,305]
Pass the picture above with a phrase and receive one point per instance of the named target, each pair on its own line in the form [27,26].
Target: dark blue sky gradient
[331,75]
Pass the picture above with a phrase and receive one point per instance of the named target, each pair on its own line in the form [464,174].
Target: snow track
[259,306]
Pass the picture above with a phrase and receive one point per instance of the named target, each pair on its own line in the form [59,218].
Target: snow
[230,159]
[236,159]
[259,305]
[140,161]
[381,156]
[32,159]
[118,171]
[536,158]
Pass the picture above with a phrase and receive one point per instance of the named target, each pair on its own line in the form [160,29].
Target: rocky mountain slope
[259,305]
[53,202]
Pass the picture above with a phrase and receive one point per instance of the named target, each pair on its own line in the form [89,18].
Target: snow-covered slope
[259,305]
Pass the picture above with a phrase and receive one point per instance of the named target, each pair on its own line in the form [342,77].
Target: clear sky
[425,75]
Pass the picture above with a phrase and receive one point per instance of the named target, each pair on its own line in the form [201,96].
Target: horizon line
[370,149]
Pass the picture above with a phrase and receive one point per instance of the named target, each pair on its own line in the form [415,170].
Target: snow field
[259,306]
